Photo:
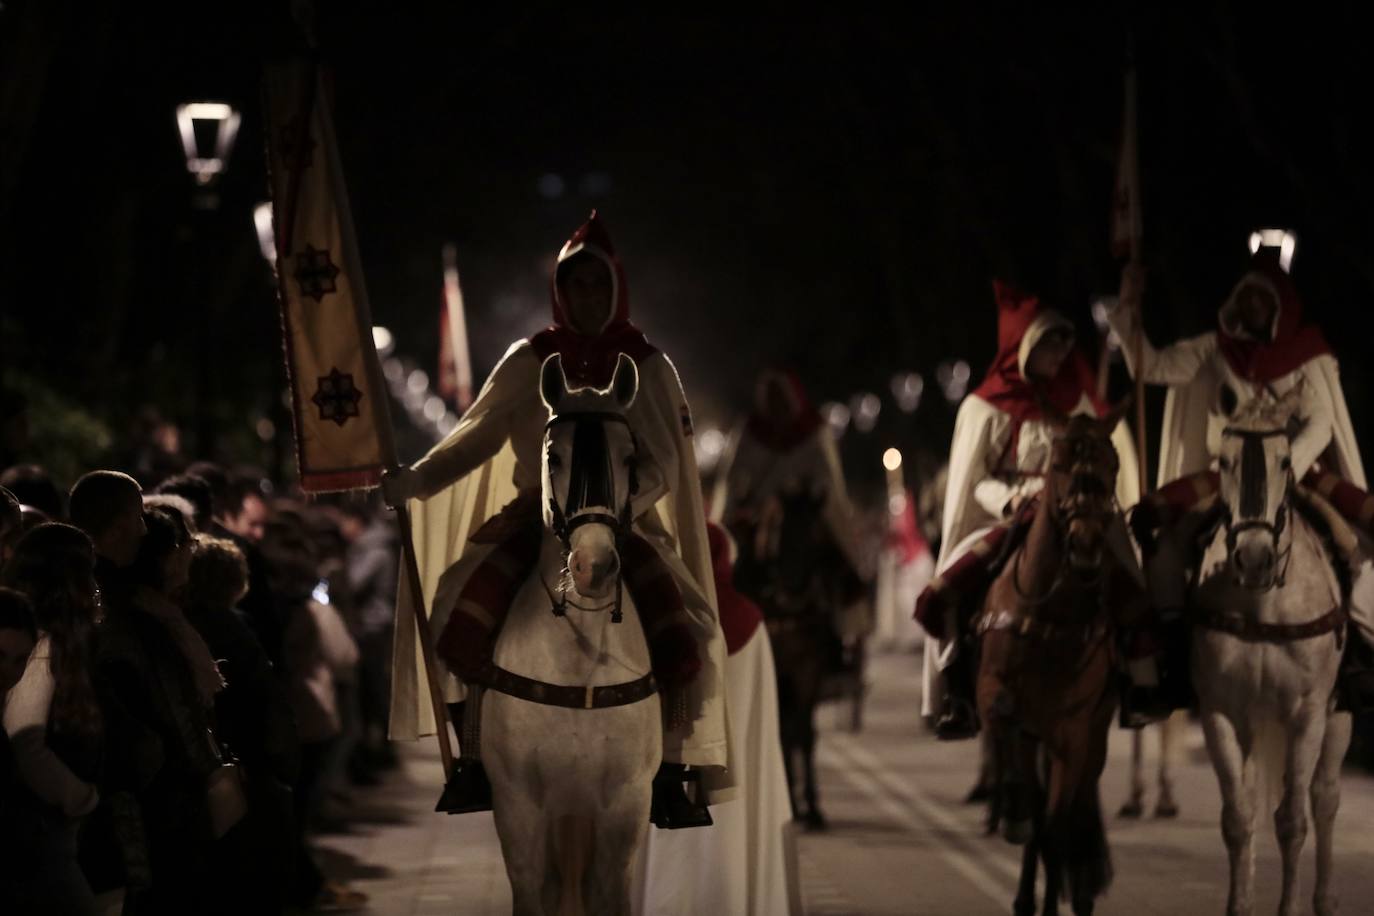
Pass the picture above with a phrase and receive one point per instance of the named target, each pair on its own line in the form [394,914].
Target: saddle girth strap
[1256,631]
[533,691]
[1043,630]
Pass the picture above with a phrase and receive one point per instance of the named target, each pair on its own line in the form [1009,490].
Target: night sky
[829,190]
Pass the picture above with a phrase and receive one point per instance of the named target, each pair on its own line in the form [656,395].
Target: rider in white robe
[494,453]
[1000,451]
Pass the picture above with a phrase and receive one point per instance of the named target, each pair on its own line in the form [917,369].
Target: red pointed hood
[802,423]
[1292,343]
[589,359]
[1021,322]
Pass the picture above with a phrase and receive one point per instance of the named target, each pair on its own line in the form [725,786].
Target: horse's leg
[1305,742]
[1237,808]
[814,819]
[1025,891]
[1165,805]
[1326,799]
[619,836]
[1135,804]
[572,843]
[1051,839]
[787,726]
[524,847]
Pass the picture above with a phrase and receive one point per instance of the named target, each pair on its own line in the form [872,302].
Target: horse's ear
[1116,414]
[625,382]
[553,384]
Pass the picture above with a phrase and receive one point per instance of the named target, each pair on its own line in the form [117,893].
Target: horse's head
[589,472]
[1256,471]
[1081,487]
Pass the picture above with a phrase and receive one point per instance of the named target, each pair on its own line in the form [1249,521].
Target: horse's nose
[589,572]
[1254,561]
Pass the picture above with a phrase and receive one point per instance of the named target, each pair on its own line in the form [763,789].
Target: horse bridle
[567,519]
[1253,498]
[1064,511]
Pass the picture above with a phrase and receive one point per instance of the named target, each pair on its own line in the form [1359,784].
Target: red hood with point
[590,359]
[1294,343]
[1005,388]
[804,421]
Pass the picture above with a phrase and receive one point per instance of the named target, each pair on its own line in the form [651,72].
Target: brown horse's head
[1081,488]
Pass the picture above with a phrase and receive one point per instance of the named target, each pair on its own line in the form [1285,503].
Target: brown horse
[1047,668]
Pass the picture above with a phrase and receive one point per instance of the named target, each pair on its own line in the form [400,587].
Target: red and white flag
[1126,220]
[455,361]
[338,399]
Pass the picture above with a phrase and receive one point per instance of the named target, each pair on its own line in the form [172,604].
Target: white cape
[741,866]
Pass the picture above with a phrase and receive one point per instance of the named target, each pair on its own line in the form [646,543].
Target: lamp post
[207,131]
[1282,239]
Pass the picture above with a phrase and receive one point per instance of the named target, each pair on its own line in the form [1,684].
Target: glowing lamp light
[434,409]
[953,378]
[207,149]
[892,459]
[865,408]
[418,381]
[907,388]
[382,339]
[836,417]
[1285,241]
[1101,308]
[267,241]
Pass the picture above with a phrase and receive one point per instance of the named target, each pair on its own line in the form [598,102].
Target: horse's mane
[1261,415]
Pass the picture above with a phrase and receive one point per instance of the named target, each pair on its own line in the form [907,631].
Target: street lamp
[267,240]
[1285,241]
[208,130]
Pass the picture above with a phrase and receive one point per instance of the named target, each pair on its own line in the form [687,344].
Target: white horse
[571,728]
[1265,656]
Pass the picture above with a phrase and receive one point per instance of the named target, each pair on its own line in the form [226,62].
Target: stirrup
[467,791]
[671,808]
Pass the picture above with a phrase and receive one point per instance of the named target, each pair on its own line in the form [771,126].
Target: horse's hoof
[1017,832]
[1023,907]
[1166,809]
[1132,810]
[816,822]
[1325,906]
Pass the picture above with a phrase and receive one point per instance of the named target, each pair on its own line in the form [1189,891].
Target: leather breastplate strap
[525,688]
[1043,630]
[1255,631]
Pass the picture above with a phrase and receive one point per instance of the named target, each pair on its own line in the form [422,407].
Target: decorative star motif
[315,272]
[337,397]
[289,138]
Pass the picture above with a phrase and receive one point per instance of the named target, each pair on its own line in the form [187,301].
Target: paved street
[900,841]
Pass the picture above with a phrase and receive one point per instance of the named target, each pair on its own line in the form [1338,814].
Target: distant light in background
[1101,308]
[896,504]
[393,370]
[435,408]
[266,429]
[710,446]
[892,459]
[865,408]
[207,157]
[907,388]
[1285,241]
[595,184]
[382,340]
[953,379]
[418,381]
[836,417]
[446,423]
[262,221]
[551,186]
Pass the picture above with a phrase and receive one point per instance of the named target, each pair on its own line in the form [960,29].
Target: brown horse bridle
[1253,499]
[1077,457]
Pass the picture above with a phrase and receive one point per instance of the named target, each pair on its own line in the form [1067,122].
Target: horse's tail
[1087,860]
